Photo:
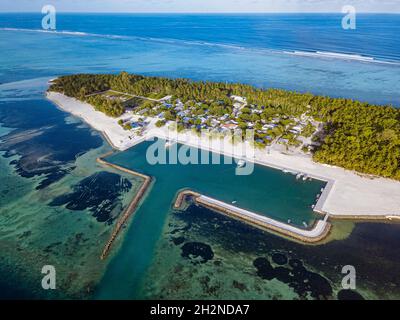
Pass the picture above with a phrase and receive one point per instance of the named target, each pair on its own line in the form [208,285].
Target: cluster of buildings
[196,116]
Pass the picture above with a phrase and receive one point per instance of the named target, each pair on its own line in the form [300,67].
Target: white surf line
[317,233]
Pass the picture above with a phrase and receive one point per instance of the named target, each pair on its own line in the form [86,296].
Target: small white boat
[305,224]
[241,163]
[234,201]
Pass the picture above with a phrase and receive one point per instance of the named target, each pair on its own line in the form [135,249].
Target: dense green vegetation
[357,136]
[363,138]
[112,108]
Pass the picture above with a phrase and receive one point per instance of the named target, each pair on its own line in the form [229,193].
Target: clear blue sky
[390,6]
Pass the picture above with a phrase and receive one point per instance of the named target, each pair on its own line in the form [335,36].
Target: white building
[242,100]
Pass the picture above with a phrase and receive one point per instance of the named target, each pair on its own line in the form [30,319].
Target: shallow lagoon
[47,165]
[266,191]
[238,261]
[197,253]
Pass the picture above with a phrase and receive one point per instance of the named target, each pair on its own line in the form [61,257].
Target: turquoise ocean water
[58,207]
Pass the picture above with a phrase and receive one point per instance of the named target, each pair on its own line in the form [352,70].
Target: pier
[182,195]
[131,207]
[317,233]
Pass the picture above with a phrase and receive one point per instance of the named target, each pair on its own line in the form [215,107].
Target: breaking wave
[314,54]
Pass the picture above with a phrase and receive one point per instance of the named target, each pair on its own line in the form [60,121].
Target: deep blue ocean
[267,50]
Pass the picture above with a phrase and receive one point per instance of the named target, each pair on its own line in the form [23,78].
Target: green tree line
[357,136]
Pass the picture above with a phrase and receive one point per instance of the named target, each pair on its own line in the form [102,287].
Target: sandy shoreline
[347,193]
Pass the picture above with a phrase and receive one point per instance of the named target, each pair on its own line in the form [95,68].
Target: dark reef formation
[197,252]
[311,271]
[303,281]
[43,144]
[100,193]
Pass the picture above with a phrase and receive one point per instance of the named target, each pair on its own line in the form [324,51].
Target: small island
[354,146]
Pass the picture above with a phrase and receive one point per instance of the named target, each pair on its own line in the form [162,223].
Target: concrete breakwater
[132,205]
[318,232]
[182,195]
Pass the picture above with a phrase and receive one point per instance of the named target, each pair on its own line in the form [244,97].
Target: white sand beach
[118,137]
[347,194]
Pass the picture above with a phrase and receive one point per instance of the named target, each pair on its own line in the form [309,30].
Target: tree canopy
[357,136]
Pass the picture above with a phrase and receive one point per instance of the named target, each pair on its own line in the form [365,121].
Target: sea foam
[312,54]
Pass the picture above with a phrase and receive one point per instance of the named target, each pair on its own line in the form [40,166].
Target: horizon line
[211,12]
